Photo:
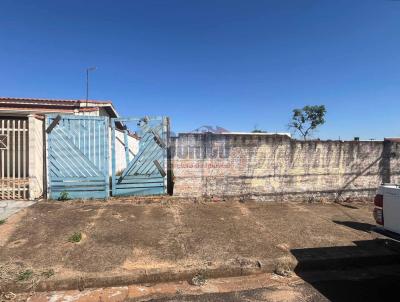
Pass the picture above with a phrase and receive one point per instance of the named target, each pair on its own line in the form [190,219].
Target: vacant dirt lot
[119,236]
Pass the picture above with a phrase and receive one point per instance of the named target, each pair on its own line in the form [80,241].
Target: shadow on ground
[360,226]
[349,206]
[336,280]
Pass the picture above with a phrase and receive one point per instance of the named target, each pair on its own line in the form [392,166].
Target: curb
[158,275]
[136,277]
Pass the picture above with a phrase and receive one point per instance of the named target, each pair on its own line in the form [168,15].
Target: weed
[75,237]
[48,273]
[198,280]
[3,221]
[25,275]
[63,196]
[284,266]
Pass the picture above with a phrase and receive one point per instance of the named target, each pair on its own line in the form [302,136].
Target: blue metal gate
[145,172]
[77,157]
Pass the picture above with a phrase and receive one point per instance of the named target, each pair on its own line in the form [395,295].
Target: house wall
[120,158]
[36,157]
[88,113]
[277,167]
[102,112]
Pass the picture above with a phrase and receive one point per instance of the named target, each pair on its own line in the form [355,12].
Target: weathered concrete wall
[277,167]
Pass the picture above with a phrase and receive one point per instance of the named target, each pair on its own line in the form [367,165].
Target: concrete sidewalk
[124,243]
[10,207]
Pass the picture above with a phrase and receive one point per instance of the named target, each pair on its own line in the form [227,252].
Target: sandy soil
[121,236]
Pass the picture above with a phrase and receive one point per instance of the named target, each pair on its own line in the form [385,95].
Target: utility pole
[87,82]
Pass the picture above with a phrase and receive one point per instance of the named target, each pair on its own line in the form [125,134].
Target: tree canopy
[307,119]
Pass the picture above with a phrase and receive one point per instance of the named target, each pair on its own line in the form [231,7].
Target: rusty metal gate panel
[14,179]
[144,171]
[77,156]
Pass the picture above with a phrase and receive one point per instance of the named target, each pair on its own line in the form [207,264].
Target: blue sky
[236,64]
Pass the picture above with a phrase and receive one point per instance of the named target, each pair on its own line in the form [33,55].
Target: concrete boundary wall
[274,167]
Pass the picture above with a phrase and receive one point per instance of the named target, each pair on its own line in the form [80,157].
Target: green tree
[307,119]
[257,130]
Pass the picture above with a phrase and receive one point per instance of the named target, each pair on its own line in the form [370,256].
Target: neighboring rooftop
[263,133]
[12,105]
[220,130]
[392,139]
[207,129]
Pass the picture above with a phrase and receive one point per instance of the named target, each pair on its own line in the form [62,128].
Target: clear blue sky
[235,64]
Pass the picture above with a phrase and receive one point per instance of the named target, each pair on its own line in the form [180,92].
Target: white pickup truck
[387,211]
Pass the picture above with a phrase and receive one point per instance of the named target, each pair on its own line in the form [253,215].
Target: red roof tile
[21,104]
[55,101]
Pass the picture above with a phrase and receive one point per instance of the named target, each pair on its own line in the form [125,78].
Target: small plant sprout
[198,280]
[63,196]
[25,275]
[75,237]
[2,221]
[48,273]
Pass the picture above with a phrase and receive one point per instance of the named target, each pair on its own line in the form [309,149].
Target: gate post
[113,160]
[168,160]
[35,156]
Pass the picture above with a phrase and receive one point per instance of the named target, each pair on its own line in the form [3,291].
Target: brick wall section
[278,168]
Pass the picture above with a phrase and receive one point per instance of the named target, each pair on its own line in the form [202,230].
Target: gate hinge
[53,124]
[160,169]
[158,140]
